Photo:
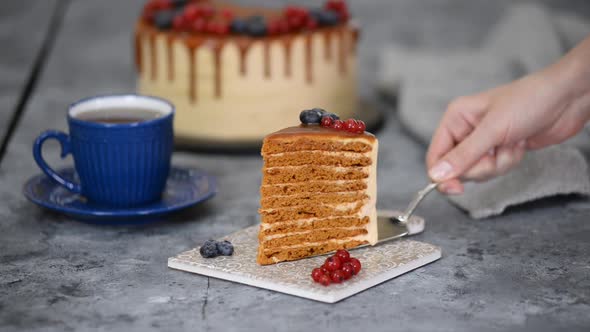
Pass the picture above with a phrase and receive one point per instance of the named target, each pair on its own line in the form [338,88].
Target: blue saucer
[185,188]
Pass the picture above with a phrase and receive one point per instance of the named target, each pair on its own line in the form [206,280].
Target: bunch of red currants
[336,269]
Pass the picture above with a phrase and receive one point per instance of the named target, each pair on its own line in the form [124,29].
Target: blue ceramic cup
[121,145]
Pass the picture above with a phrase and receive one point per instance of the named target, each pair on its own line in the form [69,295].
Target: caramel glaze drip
[153,54]
[288,43]
[243,46]
[170,54]
[328,45]
[347,38]
[266,51]
[138,49]
[308,60]
[342,51]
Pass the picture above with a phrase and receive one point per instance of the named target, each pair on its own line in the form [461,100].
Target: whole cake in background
[236,73]
[319,188]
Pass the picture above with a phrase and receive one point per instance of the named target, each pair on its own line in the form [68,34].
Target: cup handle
[64,141]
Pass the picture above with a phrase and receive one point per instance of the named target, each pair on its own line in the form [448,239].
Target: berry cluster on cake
[245,69]
[319,188]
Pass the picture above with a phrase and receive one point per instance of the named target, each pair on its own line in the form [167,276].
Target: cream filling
[337,241]
[347,154]
[299,222]
[277,236]
[334,182]
[336,169]
[335,206]
[370,209]
[351,192]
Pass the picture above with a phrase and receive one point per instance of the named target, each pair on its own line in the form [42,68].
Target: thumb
[457,161]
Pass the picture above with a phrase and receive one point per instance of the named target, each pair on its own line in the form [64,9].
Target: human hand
[485,135]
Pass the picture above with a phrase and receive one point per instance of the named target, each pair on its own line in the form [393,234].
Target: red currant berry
[325,270]
[148,15]
[178,23]
[207,11]
[325,280]
[227,14]
[361,126]
[326,121]
[283,26]
[350,125]
[338,124]
[333,263]
[311,24]
[348,270]
[316,274]
[274,28]
[191,12]
[343,15]
[162,4]
[338,276]
[211,27]
[291,11]
[295,22]
[348,266]
[222,28]
[336,5]
[356,264]
[199,25]
[342,254]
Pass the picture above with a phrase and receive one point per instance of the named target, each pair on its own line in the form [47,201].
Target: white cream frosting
[277,236]
[347,154]
[361,237]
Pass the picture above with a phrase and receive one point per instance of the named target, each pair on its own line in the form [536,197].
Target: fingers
[458,160]
[451,187]
[458,122]
[504,159]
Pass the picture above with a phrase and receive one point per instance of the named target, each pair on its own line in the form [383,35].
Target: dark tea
[119,115]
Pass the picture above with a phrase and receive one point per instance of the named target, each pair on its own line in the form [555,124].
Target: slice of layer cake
[318,192]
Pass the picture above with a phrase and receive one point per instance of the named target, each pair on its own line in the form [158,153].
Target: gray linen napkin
[425,83]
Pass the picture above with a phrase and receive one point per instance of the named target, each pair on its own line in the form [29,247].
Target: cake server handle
[404,217]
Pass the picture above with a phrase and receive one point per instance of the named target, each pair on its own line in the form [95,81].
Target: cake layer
[316,235]
[278,175]
[309,211]
[311,198]
[317,158]
[310,224]
[313,186]
[272,256]
[305,144]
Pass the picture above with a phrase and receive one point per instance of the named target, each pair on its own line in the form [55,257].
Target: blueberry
[209,249]
[239,26]
[333,116]
[255,18]
[163,19]
[313,116]
[225,248]
[178,3]
[319,110]
[256,28]
[324,17]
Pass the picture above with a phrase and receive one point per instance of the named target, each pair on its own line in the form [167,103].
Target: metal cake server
[394,224]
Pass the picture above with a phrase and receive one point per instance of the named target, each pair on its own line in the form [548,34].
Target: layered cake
[318,191]
[236,73]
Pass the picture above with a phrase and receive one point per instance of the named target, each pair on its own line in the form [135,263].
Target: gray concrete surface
[527,270]
[23,28]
